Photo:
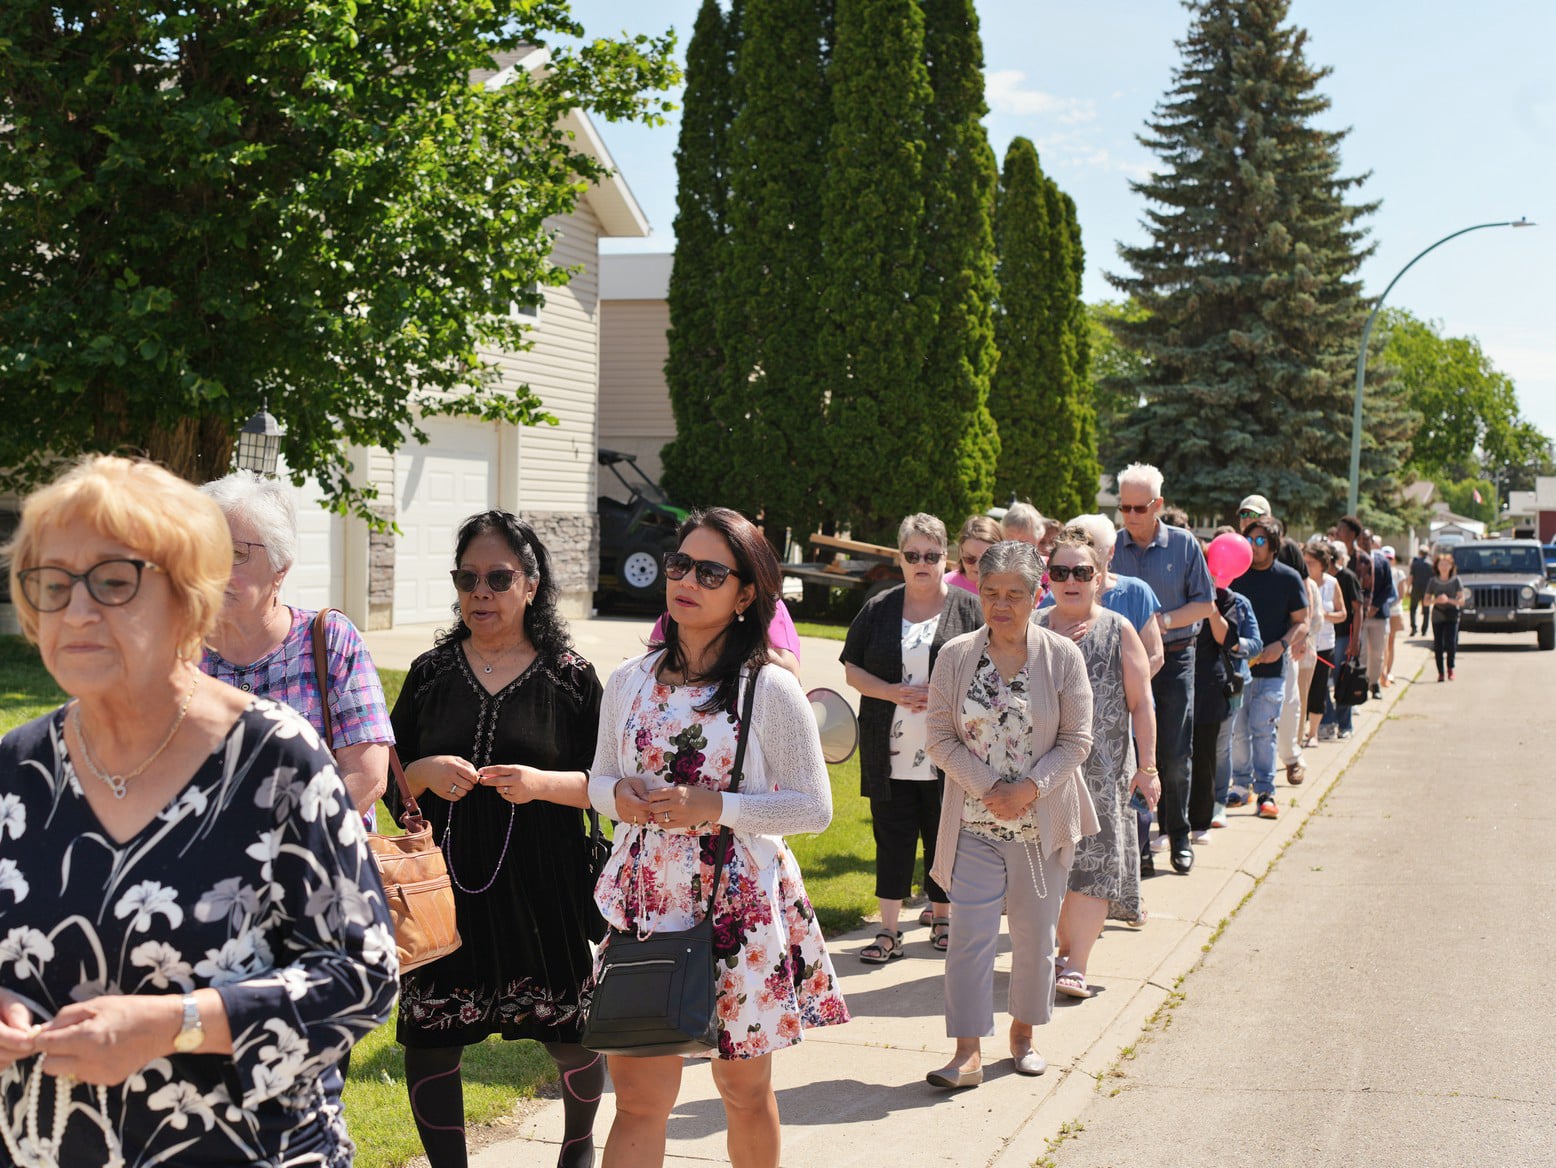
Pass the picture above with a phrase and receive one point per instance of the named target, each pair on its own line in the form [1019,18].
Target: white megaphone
[836,724]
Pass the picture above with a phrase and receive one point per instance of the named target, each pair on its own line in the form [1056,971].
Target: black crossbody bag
[658,995]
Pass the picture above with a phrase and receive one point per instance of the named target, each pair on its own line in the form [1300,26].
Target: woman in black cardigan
[890,651]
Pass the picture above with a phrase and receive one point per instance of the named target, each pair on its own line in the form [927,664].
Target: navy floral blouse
[254,881]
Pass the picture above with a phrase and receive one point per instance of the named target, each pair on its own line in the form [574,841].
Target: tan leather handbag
[414,872]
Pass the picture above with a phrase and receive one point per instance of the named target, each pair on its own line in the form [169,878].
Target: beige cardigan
[1060,700]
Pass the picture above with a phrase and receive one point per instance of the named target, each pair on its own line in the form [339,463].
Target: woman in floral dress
[668,735]
[191,929]
[496,724]
[1107,865]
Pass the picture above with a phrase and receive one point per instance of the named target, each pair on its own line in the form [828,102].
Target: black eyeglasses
[111,583]
[1135,508]
[497,580]
[926,557]
[243,551]
[1084,573]
[1257,540]
[710,573]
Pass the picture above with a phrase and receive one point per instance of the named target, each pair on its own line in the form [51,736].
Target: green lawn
[839,868]
[828,631]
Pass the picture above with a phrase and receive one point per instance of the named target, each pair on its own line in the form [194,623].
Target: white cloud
[1008,93]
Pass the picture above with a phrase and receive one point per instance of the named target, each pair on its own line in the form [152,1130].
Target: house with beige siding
[635,415]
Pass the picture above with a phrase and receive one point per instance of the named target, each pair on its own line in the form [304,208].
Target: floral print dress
[254,881]
[776,978]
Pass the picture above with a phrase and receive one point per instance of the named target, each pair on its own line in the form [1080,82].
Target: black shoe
[1377,691]
[1182,856]
[1147,865]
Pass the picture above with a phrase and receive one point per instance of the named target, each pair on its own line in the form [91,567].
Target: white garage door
[437,487]
[315,579]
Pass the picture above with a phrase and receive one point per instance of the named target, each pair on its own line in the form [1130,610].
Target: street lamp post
[1353,498]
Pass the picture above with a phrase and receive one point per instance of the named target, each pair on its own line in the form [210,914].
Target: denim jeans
[1253,735]
[1334,715]
[1173,690]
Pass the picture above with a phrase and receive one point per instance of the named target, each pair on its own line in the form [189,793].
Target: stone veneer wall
[380,573]
[573,541]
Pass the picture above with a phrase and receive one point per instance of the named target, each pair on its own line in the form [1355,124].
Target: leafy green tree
[1249,281]
[1080,397]
[696,461]
[960,177]
[202,206]
[1116,372]
[888,453]
[1460,494]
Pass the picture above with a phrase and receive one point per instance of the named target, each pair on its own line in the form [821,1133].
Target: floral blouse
[909,728]
[254,881]
[998,722]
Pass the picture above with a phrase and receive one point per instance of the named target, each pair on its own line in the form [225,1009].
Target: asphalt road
[1388,996]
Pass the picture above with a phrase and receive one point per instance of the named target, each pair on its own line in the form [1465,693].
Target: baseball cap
[1388,552]
[1256,503]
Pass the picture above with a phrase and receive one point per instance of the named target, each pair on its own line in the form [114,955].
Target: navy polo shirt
[1173,565]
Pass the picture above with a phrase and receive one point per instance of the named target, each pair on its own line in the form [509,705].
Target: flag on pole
[1476,491]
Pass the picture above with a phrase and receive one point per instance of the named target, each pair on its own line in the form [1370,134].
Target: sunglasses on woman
[112,583]
[1083,573]
[926,557]
[497,580]
[710,573]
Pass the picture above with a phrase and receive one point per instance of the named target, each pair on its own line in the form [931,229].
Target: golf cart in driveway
[1507,589]
[635,535]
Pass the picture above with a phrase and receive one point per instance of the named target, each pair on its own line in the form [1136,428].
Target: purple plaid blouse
[286,675]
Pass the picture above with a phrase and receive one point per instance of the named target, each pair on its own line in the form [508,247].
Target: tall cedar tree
[1035,392]
[888,443]
[771,398]
[1249,281]
[204,205]
[960,179]
[1079,396]
[695,372]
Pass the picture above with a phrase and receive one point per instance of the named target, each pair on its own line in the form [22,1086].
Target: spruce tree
[1253,309]
[1028,397]
[769,311]
[960,179]
[887,455]
[695,375]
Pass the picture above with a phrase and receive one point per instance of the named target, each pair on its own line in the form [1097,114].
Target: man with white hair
[1169,559]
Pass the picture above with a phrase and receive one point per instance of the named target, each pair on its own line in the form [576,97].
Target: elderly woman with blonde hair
[1010,714]
[199,931]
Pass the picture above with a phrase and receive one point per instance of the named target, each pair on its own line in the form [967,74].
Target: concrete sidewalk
[836,1086]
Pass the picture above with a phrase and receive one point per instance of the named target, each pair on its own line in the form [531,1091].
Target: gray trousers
[1375,639]
[990,875]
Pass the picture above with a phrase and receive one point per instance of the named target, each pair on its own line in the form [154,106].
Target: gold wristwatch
[191,1036]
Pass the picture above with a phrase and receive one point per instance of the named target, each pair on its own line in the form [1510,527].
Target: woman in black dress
[496,725]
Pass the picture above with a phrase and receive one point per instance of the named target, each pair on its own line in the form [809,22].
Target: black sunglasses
[111,583]
[926,557]
[497,580]
[710,573]
[1084,573]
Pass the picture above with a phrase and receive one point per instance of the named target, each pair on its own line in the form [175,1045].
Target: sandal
[940,934]
[1072,984]
[927,918]
[886,947]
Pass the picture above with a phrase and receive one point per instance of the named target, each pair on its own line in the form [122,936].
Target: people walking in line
[1298,663]
[1445,596]
[890,652]
[1336,722]
[193,929]
[1328,610]
[496,725]
[1377,590]
[1168,559]
[1421,573]
[264,647]
[1228,641]
[669,731]
[978,534]
[1010,714]
[1396,615]
[1106,868]
[1279,600]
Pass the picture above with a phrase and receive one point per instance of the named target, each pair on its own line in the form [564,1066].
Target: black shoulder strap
[743,730]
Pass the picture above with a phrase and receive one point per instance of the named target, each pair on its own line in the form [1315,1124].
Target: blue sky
[1452,108]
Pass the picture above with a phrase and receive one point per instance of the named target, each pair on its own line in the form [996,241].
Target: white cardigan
[785,788]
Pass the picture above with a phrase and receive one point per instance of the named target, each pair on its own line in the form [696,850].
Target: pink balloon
[1228,557]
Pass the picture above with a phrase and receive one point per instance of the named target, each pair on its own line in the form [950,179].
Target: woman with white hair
[265,648]
[1129,596]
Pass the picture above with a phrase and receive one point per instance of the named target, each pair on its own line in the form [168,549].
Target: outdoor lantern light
[259,443]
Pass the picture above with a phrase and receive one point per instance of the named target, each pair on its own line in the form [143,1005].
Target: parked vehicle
[634,535]
[1550,561]
[1508,591]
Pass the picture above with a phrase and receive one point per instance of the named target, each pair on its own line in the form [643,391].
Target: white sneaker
[1158,842]
[1199,837]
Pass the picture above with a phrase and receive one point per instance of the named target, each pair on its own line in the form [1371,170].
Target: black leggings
[438,1102]
[1445,638]
[899,823]
[1318,688]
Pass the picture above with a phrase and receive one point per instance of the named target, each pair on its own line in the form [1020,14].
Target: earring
[741,617]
